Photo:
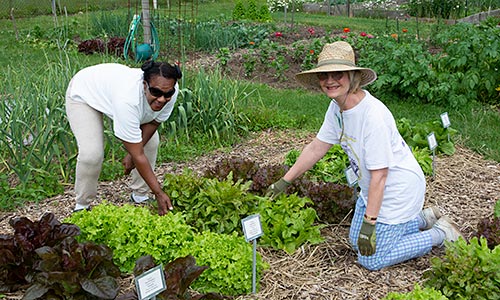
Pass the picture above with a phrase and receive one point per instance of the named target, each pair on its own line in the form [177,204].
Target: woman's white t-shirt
[371,140]
[118,92]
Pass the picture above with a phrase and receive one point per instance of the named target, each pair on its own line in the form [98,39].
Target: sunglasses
[156,92]
[335,75]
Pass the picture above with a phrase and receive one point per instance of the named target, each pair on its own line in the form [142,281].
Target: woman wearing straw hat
[388,225]
[137,101]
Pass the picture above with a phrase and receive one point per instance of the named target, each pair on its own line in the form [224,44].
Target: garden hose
[142,52]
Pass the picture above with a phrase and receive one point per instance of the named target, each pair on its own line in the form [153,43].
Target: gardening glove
[367,239]
[277,188]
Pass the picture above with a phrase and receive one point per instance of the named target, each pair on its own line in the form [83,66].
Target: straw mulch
[465,187]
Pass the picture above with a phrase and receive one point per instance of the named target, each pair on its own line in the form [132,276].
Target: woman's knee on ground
[372,263]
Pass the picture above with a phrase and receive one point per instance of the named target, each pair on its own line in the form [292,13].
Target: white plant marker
[252,230]
[150,283]
[445,120]
[431,139]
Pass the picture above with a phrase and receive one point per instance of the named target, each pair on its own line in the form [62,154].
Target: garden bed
[465,187]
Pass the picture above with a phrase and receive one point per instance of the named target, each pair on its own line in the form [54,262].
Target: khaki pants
[88,129]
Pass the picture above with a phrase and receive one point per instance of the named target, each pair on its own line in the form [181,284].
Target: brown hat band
[336,62]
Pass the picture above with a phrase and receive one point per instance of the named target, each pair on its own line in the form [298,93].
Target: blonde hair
[354,81]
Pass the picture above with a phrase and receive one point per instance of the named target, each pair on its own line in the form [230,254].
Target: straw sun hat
[337,56]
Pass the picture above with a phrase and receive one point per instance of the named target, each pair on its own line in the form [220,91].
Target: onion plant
[212,105]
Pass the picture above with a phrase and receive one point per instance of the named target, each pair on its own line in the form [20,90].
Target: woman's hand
[164,203]
[128,164]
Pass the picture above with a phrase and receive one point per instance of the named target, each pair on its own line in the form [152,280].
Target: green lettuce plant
[467,271]
[418,293]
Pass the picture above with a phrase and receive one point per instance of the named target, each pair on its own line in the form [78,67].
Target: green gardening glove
[367,239]
[277,188]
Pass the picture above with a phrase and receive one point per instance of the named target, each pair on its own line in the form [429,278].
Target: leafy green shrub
[264,14]
[239,10]
[229,257]
[287,223]
[463,69]
[331,201]
[219,206]
[424,159]
[472,60]
[328,169]
[417,294]
[133,232]
[467,271]
[415,135]
[251,12]
[210,204]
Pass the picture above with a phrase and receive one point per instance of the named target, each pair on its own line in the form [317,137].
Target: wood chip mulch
[465,187]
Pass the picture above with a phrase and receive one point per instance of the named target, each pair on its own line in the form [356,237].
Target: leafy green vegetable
[71,270]
[229,257]
[133,232]
[287,224]
[467,271]
[417,294]
[328,169]
[17,252]
[415,135]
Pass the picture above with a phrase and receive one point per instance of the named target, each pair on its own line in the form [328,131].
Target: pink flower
[311,31]
[344,36]
[363,33]
[278,34]
[370,36]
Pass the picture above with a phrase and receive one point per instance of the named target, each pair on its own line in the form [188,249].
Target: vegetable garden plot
[465,186]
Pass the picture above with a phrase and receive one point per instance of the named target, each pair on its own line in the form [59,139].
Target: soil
[465,187]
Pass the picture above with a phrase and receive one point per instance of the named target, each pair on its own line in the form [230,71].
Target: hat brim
[310,79]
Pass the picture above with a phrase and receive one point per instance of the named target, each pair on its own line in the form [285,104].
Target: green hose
[142,52]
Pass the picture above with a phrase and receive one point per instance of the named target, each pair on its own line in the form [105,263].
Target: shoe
[142,199]
[450,229]
[430,215]
[77,209]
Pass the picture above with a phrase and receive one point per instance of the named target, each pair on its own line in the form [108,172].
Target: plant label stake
[431,139]
[252,230]
[446,122]
[352,180]
[150,283]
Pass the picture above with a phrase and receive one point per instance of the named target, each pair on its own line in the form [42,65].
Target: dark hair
[153,69]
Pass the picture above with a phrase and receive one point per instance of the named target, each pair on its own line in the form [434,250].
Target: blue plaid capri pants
[395,243]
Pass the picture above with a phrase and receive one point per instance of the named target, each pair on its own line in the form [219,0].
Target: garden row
[206,226]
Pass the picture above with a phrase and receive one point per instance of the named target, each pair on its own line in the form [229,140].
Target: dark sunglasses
[335,75]
[155,92]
